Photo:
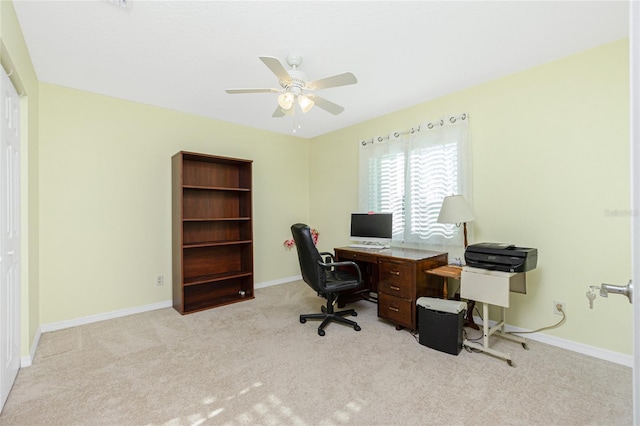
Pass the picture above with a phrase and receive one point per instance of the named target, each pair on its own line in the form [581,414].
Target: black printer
[501,257]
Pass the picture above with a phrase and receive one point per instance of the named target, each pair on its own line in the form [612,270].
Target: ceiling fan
[296,88]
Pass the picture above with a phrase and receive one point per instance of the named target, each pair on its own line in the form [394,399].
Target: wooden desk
[447,271]
[399,277]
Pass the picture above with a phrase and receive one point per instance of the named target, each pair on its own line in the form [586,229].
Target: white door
[10,236]
[634,72]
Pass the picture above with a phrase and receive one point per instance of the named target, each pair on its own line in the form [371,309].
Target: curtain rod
[429,125]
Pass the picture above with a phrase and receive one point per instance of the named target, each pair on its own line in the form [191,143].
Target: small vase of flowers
[288,244]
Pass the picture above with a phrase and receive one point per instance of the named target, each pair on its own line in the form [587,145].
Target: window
[409,175]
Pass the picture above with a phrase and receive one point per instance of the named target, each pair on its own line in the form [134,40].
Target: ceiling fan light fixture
[293,82]
[305,103]
[285,100]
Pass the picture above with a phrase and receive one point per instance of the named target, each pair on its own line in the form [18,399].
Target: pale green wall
[105,179]
[14,51]
[550,156]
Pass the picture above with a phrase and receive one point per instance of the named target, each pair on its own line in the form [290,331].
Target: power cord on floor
[477,339]
[471,339]
[556,325]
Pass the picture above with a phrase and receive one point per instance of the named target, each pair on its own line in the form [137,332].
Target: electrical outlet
[555,307]
[159,279]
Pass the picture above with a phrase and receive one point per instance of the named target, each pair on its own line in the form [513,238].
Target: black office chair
[326,278]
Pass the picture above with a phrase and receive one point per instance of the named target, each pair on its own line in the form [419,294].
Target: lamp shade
[455,209]
[305,103]
[285,100]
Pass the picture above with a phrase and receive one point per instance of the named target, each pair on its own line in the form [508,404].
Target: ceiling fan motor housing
[294,60]
[297,83]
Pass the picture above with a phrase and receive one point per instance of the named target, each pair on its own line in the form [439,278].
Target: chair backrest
[308,256]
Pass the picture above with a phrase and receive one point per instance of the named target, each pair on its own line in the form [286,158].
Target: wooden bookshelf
[212,231]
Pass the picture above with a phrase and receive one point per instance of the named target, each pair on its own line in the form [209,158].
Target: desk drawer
[398,310]
[396,279]
[354,255]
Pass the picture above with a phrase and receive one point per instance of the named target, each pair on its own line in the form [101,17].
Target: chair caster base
[329,317]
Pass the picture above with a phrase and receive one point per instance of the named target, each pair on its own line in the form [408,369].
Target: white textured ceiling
[181,54]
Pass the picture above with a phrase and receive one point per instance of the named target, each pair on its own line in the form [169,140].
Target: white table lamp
[455,209]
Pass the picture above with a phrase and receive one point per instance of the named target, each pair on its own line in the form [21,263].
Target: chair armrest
[344,263]
[326,253]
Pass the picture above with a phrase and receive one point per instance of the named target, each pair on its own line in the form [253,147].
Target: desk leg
[445,289]
[488,331]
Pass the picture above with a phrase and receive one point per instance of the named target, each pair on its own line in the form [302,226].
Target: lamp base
[471,304]
[464,230]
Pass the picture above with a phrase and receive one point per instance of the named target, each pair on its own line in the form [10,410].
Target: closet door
[9,237]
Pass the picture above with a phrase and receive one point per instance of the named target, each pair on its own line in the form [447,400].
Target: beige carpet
[254,363]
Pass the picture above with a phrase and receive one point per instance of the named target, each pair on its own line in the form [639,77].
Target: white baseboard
[278,281]
[137,310]
[581,348]
[104,316]
[26,361]
[604,354]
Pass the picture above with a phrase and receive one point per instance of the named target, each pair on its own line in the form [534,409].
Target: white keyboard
[367,246]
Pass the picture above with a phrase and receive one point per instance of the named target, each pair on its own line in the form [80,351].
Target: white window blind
[409,175]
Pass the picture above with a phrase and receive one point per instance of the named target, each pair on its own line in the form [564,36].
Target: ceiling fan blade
[237,91]
[343,79]
[326,105]
[278,112]
[276,67]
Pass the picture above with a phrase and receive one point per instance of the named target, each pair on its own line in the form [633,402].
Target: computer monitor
[372,227]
